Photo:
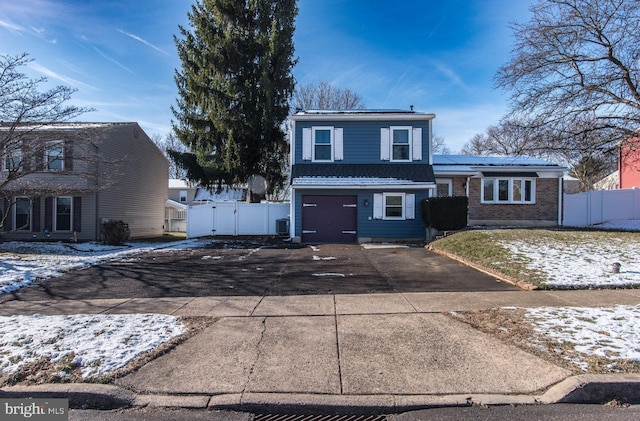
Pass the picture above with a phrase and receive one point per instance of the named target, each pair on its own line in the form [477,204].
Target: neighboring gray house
[88,173]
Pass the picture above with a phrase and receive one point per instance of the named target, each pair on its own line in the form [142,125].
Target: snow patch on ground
[324,258]
[584,265]
[338,275]
[610,332]
[22,263]
[99,343]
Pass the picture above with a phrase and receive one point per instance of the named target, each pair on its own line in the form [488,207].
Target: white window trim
[384,207]
[185,197]
[447,181]
[17,154]
[55,214]
[313,143]
[409,130]
[510,201]
[46,155]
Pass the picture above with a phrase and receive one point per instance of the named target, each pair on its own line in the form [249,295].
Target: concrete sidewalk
[376,352]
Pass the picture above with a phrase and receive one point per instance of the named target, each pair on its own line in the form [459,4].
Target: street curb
[501,276]
[581,389]
[595,388]
[80,395]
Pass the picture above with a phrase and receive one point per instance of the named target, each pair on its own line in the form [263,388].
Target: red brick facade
[543,212]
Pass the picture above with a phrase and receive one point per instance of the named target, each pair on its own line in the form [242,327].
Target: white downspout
[560,199]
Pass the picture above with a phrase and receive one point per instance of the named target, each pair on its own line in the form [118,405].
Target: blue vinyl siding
[372,228]
[362,139]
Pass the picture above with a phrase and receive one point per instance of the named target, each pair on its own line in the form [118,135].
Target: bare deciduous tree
[578,60]
[438,145]
[24,112]
[167,143]
[324,96]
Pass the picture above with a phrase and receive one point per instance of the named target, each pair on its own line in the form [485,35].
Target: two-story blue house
[359,175]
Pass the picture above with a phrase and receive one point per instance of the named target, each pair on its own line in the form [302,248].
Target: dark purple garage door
[329,219]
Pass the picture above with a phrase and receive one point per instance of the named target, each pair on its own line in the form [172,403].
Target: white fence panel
[595,207]
[224,219]
[260,218]
[235,218]
[199,221]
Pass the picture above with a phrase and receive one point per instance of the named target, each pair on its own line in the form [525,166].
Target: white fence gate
[234,218]
[597,206]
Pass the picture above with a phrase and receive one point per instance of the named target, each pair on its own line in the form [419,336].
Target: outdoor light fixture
[366,202]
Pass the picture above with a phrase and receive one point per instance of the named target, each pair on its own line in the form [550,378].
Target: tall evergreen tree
[234,88]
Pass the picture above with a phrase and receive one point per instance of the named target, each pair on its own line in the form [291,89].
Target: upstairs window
[322,144]
[183,196]
[508,190]
[54,156]
[401,144]
[12,160]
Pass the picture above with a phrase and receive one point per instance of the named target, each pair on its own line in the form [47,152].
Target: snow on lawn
[582,265]
[22,263]
[610,332]
[99,343]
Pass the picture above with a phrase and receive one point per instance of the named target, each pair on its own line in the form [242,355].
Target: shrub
[445,213]
[115,233]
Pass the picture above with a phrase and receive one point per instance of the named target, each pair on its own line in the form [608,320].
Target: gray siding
[137,192]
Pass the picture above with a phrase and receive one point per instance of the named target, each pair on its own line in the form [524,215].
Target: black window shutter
[77,214]
[26,156]
[9,210]
[35,215]
[48,213]
[68,156]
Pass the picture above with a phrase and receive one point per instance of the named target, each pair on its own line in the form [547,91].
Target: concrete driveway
[246,269]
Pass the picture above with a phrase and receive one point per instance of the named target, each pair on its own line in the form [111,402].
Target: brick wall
[543,212]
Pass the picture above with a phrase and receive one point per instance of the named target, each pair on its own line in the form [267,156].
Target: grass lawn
[552,258]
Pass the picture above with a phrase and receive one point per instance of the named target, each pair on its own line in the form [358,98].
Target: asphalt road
[248,269]
[559,412]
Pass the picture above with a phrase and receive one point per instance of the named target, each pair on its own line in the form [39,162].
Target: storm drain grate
[302,417]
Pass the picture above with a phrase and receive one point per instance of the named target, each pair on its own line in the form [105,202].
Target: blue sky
[439,56]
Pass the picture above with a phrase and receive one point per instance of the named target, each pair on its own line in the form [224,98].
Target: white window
[54,156]
[508,190]
[322,144]
[12,159]
[401,143]
[183,195]
[394,206]
[444,187]
[22,214]
[63,209]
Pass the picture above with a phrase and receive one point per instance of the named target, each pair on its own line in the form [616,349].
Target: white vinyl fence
[598,206]
[234,218]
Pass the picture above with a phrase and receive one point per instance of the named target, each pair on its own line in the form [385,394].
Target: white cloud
[11,26]
[65,79]
[142,40]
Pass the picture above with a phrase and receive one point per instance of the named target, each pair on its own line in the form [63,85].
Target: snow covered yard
[94,344]
[84,345]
